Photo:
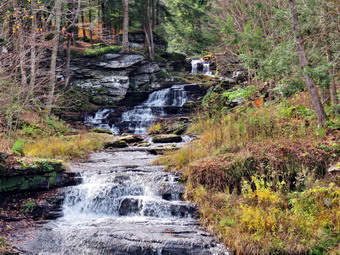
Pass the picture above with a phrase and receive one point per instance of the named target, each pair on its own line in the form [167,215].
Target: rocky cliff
[110,77]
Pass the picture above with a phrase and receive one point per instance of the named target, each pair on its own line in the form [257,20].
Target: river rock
[116,144]
[100,131]
[131,138]
[170,138]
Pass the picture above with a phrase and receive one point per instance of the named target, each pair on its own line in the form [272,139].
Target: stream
[124,206]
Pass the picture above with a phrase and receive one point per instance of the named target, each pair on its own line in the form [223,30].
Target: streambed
[123,206]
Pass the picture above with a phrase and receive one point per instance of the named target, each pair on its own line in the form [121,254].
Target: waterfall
[143,115]
[124,206]
[206,69]
[194,65]
[198,64]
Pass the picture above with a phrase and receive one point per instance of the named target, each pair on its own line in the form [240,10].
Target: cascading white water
[124,206]
[144,115]
[195,64]
[206,69]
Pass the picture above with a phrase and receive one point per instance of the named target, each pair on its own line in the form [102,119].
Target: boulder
[116,144]
[124,61]
[143,144]
[129,206]
[131,139]
[170,138]
[100,131]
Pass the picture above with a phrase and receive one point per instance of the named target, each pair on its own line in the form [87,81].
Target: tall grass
[65,147]
[255,173]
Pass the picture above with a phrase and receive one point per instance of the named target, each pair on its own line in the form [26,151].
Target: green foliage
[58,126]
[289,86]
[97,51]
[18,147]
[28,207]
[31,131]
[296,111]
[162,74]
[240,93]
[187,27]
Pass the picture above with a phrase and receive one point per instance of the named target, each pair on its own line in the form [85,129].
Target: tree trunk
[33,59]
[153,15]
[68,62]
[148,32]
[158,13]
[332,86]
[83,25]
[58,5]
[312,89]
[126,27]
[90,21]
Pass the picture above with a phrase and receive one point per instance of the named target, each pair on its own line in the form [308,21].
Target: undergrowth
[65,147]
[259,175]
[92,52]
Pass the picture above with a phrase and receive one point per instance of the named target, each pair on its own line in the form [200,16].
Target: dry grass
[65,147]
[5,144]
[257,176]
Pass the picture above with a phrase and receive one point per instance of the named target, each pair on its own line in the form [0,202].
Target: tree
[300,48]
[126,26]
[53,69]
[147,26]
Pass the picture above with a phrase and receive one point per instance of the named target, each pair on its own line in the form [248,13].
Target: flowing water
[143,115]
[124,206]
[199,66]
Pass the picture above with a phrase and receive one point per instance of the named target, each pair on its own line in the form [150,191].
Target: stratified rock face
[121,61]
[109,77]
[41,175]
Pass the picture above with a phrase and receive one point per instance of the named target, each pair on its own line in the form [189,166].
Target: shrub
[96,51]
[240,93]
[18,147]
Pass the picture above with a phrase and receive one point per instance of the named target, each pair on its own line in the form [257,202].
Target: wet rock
[52,215]
[161,151]
[131,138]
[129,206]
[143,144]
[100,131]
[170,138]
[116,144]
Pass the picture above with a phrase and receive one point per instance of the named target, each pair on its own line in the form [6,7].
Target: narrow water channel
[124,206]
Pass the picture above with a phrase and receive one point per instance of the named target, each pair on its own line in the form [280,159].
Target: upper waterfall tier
[138,119]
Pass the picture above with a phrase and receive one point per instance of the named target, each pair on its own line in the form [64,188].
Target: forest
[254,95]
